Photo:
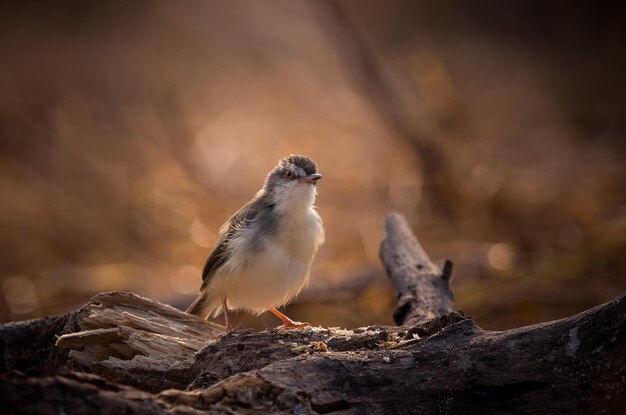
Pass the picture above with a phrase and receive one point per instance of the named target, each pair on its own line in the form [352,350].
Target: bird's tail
[198,307]
[203,306]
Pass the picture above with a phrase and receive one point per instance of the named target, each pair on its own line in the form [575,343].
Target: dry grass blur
[130,131]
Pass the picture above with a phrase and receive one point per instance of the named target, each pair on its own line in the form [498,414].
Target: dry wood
[135,356]
[125,335]
[423,290]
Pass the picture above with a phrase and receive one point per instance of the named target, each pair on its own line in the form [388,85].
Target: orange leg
[287,322]
[229,327]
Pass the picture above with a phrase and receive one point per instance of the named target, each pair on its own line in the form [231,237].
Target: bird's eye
[289,174]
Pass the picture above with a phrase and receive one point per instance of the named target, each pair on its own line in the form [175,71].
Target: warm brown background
[130,130]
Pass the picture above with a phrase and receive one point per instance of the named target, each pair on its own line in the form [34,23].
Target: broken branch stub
[423,291]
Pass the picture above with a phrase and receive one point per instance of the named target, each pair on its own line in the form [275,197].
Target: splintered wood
[121,331]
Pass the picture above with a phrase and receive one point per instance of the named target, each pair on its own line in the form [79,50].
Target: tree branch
[423,291]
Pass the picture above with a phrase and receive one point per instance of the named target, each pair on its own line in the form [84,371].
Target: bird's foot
[287,322]
[227,330]
[230,328]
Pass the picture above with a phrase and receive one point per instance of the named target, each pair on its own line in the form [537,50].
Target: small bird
[265,250]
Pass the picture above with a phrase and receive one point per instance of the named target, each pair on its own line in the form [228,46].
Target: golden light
[500,256]
[201,234]
[186,280]
[20,295]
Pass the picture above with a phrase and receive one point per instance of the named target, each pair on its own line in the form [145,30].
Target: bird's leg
[229,327]
[287,322]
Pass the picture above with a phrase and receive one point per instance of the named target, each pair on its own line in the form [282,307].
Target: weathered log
[80,393]
[136,341]
[134,355]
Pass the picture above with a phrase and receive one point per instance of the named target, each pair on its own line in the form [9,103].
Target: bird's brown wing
[216,258]
[219,254]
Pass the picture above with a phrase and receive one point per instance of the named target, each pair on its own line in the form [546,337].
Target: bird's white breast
[274,274]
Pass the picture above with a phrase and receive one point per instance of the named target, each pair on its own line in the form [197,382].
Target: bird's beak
[311,178]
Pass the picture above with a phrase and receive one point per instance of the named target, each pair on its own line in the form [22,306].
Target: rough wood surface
[137,341]
[136,356]
[423,291]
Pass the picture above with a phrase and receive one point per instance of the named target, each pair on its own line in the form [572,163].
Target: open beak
[311,178]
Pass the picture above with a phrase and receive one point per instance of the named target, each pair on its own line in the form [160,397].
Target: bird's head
[292,182]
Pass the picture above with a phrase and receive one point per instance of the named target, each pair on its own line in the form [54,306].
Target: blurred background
[130,131]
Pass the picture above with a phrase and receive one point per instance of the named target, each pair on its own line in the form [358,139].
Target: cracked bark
[423,291]
[125,354]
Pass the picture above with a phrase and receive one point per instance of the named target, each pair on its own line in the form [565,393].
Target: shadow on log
[122,353]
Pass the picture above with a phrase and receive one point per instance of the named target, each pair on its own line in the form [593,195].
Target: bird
[263,256]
